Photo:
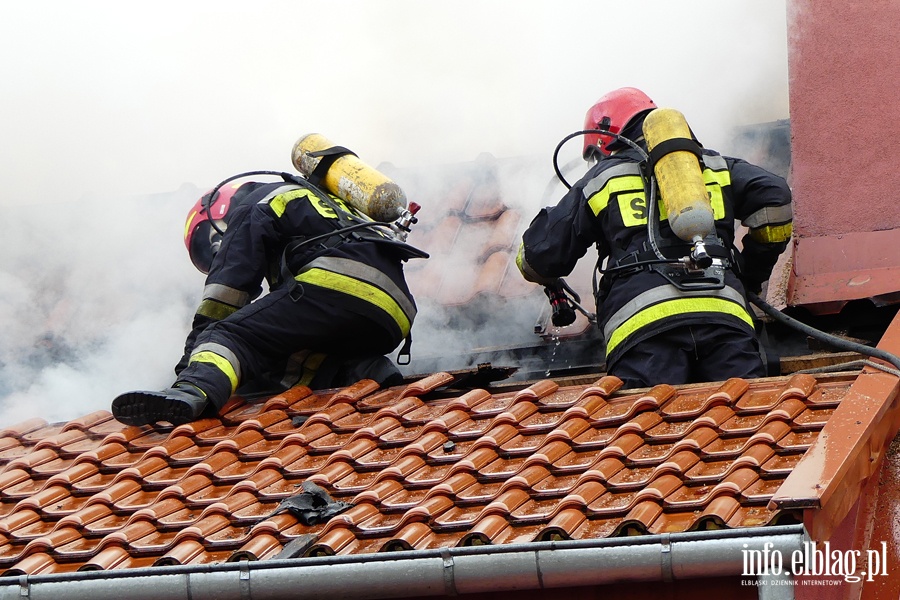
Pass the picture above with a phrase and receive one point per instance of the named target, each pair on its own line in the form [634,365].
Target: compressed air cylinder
[679,176]
[351,180]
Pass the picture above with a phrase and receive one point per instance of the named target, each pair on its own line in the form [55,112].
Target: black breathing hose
[835,341]
[210,198]
[559,146]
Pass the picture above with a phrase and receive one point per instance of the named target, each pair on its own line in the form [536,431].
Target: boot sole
[144,408]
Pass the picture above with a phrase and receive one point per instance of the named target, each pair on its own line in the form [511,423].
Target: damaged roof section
[421,466]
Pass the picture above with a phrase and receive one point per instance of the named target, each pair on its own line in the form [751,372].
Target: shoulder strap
[328,156]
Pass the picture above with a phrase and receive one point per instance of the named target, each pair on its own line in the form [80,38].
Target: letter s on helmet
[619,106]
[200,237]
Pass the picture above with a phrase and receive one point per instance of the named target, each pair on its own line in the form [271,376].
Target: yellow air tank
[679,176]
[351,180]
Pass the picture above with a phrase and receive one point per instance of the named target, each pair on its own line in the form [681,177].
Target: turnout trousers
[257,338]
[690,354]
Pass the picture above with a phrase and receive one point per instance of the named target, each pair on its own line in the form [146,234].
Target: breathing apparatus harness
[348,227]
[701,268]
[399,229]
[704,267]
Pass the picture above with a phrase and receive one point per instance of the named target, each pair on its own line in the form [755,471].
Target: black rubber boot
[175,405]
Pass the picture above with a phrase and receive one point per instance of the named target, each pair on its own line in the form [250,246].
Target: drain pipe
[443,572]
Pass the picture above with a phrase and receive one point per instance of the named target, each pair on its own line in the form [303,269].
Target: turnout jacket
[608,208]
[361,271]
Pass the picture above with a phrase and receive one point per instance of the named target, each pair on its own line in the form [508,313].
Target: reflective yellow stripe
[722,178]
[673,308]
[633,208]
[629,192]
[279,202]
[215,309]
[772,234]
[527,272]
[616,185]
[187,224]
[715,181]
[325,210]
[220,363]
[359,289]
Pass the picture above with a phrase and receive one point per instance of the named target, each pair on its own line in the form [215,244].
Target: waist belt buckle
[296,291]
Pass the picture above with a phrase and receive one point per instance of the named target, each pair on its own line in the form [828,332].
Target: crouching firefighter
[337,299]
[661,211]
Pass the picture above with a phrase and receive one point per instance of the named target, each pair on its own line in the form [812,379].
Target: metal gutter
[439,572]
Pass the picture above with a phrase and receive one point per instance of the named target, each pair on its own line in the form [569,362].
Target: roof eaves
[438,572]
[828,479]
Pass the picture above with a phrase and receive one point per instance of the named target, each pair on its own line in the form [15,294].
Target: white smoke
[96,300]
[106,104]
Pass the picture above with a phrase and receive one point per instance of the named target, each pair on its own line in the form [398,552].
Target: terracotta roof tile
[543,462]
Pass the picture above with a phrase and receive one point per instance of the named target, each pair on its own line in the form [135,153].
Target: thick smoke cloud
[93,302]
[116,117]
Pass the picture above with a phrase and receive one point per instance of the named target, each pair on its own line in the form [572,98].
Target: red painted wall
[844,74]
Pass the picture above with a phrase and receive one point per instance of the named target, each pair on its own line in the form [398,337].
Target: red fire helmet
[200,238]
[619,107]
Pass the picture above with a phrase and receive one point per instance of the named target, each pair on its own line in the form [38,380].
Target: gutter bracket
[449,574]
[244,579]
[665,559]
[24,587]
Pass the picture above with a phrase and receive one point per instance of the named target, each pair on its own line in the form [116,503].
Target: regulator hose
[562,142]
[833,340]
[214,192]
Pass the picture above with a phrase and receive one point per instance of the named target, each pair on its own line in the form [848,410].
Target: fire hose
[835,341]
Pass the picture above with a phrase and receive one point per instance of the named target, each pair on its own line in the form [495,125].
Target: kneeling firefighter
[671,301]
[331,246]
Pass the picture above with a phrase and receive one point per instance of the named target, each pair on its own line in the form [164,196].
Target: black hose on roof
[833,340]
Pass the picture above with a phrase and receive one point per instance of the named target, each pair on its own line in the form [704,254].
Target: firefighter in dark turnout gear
[655,329]
[334,308]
